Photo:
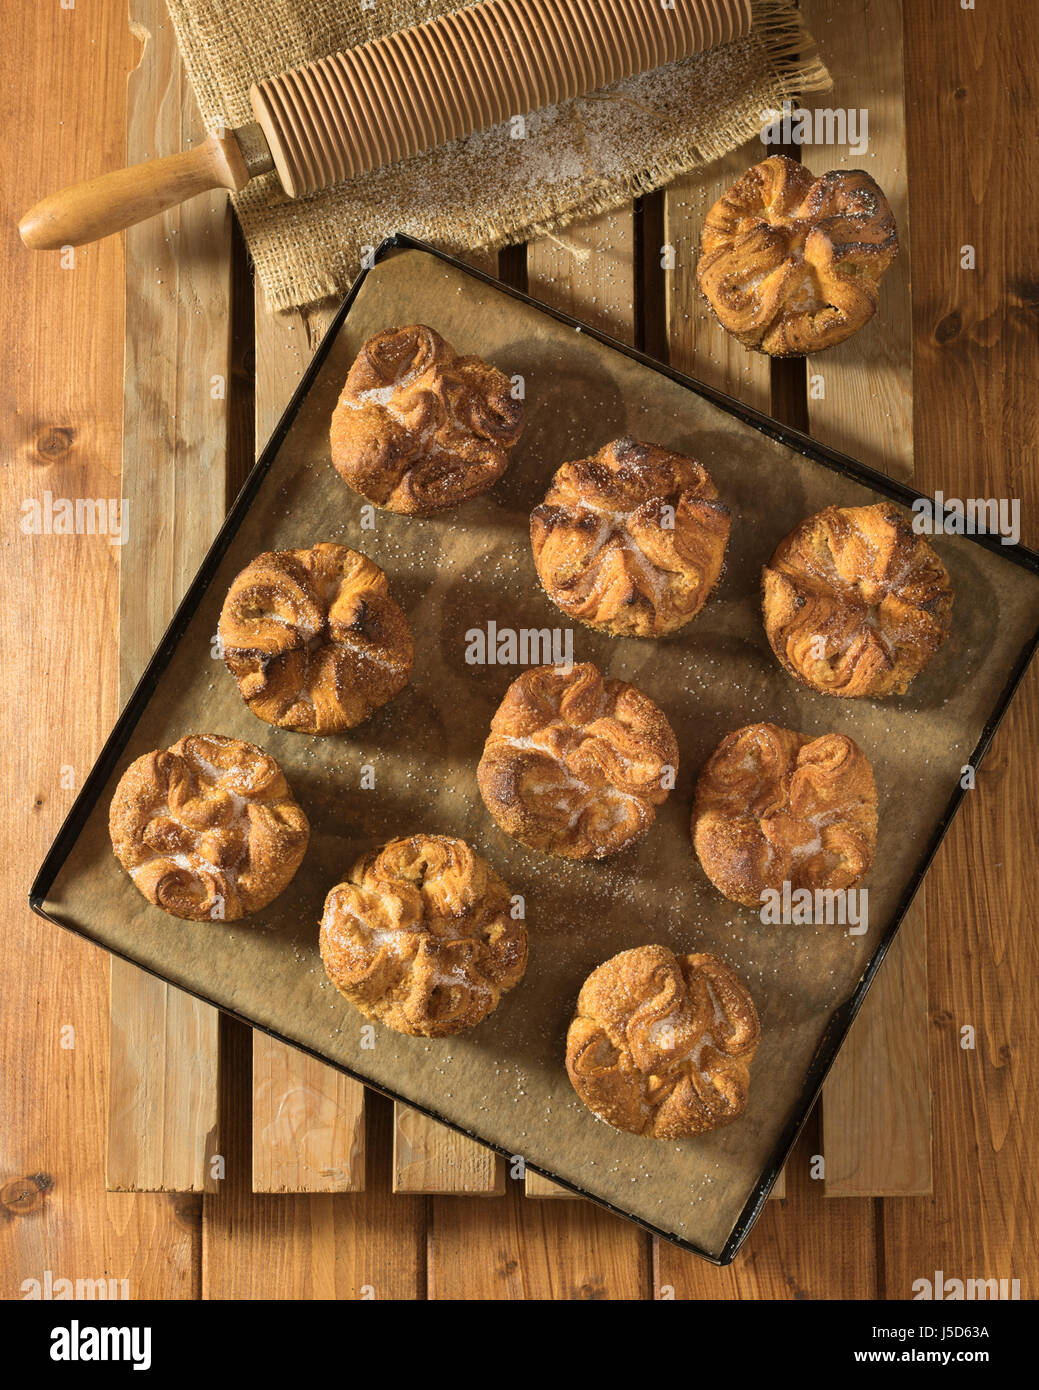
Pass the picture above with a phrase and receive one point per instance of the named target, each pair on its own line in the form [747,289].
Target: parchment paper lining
[505,1082]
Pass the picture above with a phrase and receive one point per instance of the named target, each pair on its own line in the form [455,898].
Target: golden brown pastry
[773,806]
[791,263]
[576,765]
[208,829]
[630,541]
[419,428]
[661,1044]
[422,937]
[855,602]
[314,639]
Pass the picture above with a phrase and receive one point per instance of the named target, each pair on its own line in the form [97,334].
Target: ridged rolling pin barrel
[397,96]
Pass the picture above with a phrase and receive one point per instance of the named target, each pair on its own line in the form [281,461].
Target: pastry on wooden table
[208,829]
[661,1044]
[791,263]
[855,602]
[575,764]
[773,806]
[419,428]
[422,936]
[632,540]
[314,639]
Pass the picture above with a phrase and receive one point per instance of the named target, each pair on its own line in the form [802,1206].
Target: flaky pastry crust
[773,806]
[418,428]
[208,829]
[791,263]
[314,639]
[574,764]
[421,936]
[661,1044]
[855,602]
[631,540]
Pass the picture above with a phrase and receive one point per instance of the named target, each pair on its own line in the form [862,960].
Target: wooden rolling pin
[397,96]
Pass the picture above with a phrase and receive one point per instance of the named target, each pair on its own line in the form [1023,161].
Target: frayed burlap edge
[294,276]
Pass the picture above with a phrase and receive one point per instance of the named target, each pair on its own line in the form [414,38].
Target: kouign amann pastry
[574,764]
[661,1045]
[207,829]
[791,263]
[855,602]
[314,639]
[422,936]
[418,428]
[630,541]
[773,806]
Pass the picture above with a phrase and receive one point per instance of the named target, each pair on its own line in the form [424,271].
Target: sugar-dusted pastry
[314,639]
[773,806]
[661,1045]
[574,764]
[419,428]
[630,541]
[423,937]
[208,829]
[855,602]
[791,263]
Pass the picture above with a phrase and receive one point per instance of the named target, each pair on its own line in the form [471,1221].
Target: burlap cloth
[578,158]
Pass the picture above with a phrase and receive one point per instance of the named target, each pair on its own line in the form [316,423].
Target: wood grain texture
[430,1158]
[534,1185]
[307,1119]
[63,89]
[696,343]
[354,1245]
[877,1101]
[109,202]
[975,426]
[518,1249]
[163,1043]
[802,1247]
[308,1123]
[359,1244]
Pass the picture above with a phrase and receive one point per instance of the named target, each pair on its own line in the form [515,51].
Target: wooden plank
[426,1156]
[63,90]
[537,1186]
[550,1249]
[429,1158]
[307,1119]
[313,1138]
[975,425]
[800,1248]
[319,1245]
[518,1249]
[163,1043]
[697,344]
[877,1101]
[587,271]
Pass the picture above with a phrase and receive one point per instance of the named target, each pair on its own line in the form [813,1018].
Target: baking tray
[504,1083]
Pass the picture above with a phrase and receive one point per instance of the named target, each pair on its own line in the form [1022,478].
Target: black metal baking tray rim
[117,740]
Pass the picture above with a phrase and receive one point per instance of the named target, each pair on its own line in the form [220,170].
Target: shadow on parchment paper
[505,1081]
[571,414]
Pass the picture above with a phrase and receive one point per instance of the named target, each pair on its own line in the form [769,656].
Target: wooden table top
[970,84]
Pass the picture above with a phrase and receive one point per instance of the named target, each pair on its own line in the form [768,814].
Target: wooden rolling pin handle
[89,211]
